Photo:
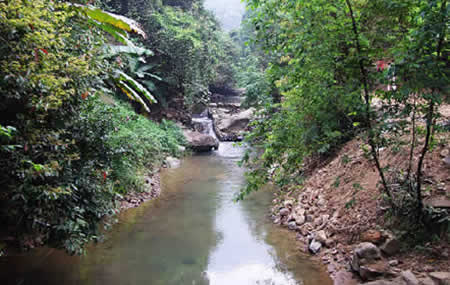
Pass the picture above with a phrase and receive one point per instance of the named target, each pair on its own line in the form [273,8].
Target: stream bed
[193,234]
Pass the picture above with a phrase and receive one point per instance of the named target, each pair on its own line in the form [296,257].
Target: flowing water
[193,234]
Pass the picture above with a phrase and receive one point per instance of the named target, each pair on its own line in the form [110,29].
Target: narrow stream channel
[193,234]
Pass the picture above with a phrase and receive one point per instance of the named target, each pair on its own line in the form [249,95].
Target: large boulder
[200,142]
[368,263]
[229,126]
[172,162]
[441,278]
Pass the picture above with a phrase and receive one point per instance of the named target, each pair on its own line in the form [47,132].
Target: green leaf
[113,50]
[117,21]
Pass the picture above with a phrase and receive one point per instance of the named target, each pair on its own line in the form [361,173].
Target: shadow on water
[193,234]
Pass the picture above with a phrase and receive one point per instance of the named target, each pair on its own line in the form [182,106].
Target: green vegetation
[79,86]
[192,53]
[329,61]
[71,145]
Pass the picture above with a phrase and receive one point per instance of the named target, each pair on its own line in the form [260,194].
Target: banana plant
[133,89]
[118,26]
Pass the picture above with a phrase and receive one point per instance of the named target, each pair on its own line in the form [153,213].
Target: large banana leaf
[134,90]
[116,25]
[132,94]
[113,50]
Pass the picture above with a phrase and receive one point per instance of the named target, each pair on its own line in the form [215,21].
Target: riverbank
[152,191]
[339,208]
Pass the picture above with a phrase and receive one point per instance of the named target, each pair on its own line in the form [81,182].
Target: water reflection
[193,234]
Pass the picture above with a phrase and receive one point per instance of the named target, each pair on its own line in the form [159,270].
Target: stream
[193,234]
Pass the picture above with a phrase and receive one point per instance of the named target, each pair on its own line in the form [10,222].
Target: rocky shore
[152,191]
[345,228]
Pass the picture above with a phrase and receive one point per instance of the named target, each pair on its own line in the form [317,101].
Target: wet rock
[409,277]
[200,142]
[284,212]
[292,226]
[172,162]
[314,246]
[230,126]
[440,278]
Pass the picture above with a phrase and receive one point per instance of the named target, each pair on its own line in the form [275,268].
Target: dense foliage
[69,146]
[330,60]
[192,53]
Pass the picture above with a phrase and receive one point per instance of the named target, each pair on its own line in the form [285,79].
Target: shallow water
[193,234]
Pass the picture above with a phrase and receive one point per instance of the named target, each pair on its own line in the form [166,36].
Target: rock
[426,281]
[372,236]
[344,278]
[366,260]
[292,226]
[322,202]
[309,218]
[230,126]
[368,251]
[396,281]
[181,148]
[321,237]
[409,277]
[329,243]
[445,152]
[172,162]
[314,246]
[200,142]
[317,222]
[438,202]
[374,270]
[391,246]
[393,262]
[440,278]
[446,161]
[284,212]
[299,216]
[288,204]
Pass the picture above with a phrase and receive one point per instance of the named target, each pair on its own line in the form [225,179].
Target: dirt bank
[340,206]
[152,191]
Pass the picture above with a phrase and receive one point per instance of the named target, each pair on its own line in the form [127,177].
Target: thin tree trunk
[365,82]
[413,142]
[430,115]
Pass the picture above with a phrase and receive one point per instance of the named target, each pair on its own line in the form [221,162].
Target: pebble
[393,262]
